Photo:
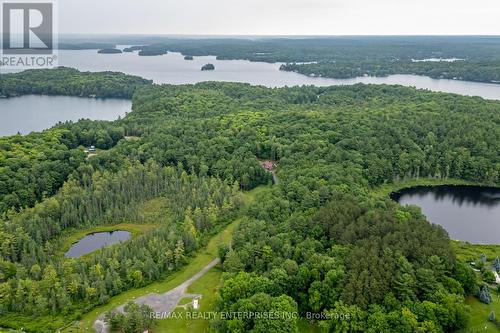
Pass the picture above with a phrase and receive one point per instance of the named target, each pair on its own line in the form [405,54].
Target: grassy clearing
[188,321]
[184,301]
[479,314]
[251,196]
[467,252]
[386,189]
[154,211]
[21,323]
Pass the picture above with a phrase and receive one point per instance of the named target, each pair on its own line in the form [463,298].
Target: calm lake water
[96,241]
[172,68]
[35,113]
[468,213]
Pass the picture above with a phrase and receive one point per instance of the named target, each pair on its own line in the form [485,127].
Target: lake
[468,213]
[35,113]
[173,69]
[96,241]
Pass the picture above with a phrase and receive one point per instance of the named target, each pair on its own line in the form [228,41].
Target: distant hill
[109,51]
[85,46]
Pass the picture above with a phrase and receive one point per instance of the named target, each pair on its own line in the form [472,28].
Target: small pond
[96,241]
[468,213]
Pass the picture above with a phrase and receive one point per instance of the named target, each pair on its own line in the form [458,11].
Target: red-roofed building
[268,165]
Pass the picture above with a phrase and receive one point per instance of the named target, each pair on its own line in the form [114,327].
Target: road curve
[160,303]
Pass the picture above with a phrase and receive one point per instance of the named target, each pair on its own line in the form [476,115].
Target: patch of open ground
[479,314]
[184,321]
[162,304]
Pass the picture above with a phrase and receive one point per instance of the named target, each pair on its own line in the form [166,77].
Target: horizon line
[275,35]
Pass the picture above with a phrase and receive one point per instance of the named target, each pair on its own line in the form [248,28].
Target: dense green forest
[70,82]
[85,46]
[37,280]
[318,242]
[348,57]
[35,166]
[333,144]
[468,70]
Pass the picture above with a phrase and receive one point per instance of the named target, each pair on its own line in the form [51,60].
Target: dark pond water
[96,241]
[468,213]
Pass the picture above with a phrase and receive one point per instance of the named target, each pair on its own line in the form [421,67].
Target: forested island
[132,48]
[153,50]
[109,51]
[208,67]
[479,71]
[85,46]
[320,241]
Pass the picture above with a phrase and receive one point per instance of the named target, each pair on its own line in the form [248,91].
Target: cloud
[273,17]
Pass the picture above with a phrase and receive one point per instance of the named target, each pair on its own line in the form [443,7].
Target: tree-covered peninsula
[109,51]
[70,82]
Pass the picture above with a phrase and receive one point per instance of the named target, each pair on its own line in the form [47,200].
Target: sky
[280,17]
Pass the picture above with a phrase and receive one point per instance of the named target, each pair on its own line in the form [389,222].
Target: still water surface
[96,241]
[468,213]
[35,113]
